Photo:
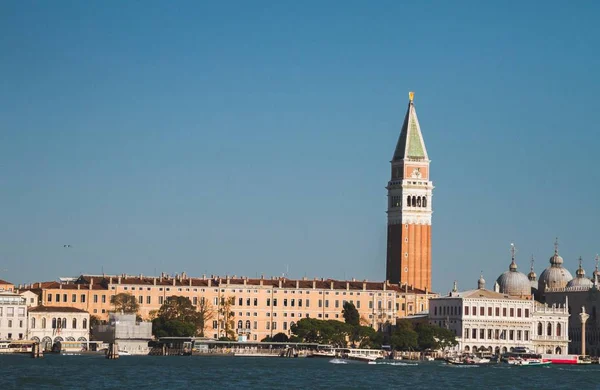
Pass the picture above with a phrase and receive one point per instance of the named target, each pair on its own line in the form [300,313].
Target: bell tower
[409,208]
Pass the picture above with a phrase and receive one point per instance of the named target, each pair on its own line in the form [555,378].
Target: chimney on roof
[315,283]
[365,285]
[304,278]
[353,279]
[174,282]
[78,286]
[203,276]
[347,285]
[261,281]
[110,280]
[297,284]
[279,283]
[227,280]
[190,279]
[141,276]
[385,285]
[262,276]
[161,277]
[209,282]
[60,286]
[119,280]
[331,283]
[91,281]
[245,281]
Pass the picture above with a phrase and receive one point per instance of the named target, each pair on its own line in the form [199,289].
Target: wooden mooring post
[113,351]
[36,351]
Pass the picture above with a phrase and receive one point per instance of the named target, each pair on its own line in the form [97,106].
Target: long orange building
[409,208]
[262,307]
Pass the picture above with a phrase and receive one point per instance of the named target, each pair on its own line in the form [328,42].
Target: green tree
[404,337]
[426,336]
[351,316]
[280,338]
[178,317]
[125,303]
[162,327]
[446,338]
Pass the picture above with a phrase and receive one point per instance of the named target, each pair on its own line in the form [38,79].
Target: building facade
[6,286]
[261,307]
[492,322]
[132,336]
[13,316]
[409,208]
[49,325]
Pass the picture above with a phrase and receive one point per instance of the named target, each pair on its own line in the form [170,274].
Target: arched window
[32,322]
[240,324]
[424,201]
[419,201]
[558,329]
[408,201]
[540,329]
[44,323]
[74,323]
[248,324]
[549,332]
[85,323]
[414,201]
[54,323]
[558,351]
[64,323]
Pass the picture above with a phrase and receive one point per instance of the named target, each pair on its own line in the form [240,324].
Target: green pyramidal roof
[410,144]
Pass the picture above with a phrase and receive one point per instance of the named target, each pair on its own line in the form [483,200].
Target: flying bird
[66,246]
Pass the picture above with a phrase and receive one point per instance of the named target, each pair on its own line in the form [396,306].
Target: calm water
[19,372]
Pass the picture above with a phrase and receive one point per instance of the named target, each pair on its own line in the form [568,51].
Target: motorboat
[468,360]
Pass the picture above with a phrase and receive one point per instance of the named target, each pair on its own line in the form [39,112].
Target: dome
[580,280]
[554,276]
[481,283]
[513,282]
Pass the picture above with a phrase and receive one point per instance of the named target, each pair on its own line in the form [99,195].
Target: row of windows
[11,323]
[496,334]
[10,311]
[59,323]
[491,312]
[411,201]
[540,329]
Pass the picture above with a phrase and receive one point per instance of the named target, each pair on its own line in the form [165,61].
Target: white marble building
[49,325]
[492,322]
[13,316]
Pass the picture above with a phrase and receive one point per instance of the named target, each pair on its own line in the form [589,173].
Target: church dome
[555,276]
[580,279]
[481,283]
[513,282]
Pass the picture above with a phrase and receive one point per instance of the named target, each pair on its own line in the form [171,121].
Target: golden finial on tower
[411,96]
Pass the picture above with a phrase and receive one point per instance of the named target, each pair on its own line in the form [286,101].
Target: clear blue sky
[253,137]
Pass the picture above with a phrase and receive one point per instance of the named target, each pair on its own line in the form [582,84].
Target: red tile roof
[53,309]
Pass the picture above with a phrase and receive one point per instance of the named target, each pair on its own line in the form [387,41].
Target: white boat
[364,355]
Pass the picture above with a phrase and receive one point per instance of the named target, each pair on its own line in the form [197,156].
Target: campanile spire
[409,207]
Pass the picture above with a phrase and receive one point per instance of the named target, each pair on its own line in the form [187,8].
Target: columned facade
[409,208]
